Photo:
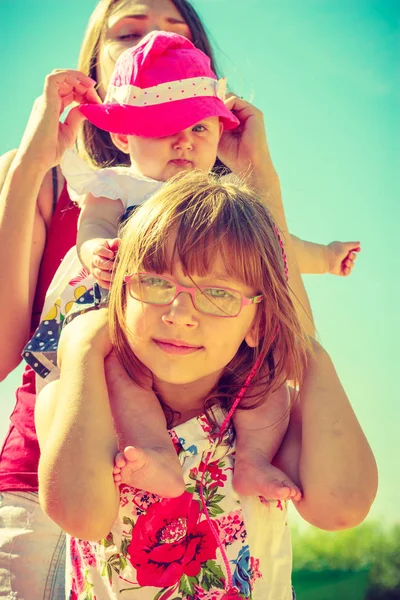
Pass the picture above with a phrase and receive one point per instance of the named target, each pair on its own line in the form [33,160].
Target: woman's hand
[45,138]
[87,332]
[245,147]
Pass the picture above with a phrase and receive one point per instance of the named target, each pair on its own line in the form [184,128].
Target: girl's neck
[188,399]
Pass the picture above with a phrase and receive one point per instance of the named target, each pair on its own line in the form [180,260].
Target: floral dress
[208,544]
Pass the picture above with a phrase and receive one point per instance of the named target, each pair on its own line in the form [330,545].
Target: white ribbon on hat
[182,89]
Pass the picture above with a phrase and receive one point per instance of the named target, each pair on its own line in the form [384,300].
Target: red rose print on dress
[168,542]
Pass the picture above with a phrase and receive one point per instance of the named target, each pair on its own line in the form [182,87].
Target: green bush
[369,547]
[384,575]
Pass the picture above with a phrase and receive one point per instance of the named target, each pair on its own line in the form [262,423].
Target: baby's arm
[259,434]
[97,230]
[337,258]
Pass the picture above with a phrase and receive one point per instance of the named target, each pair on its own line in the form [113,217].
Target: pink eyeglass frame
[192,290]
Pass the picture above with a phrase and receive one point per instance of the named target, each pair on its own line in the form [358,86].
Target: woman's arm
[25,203]
[25,212]
[76,434]
[325,451]
[245,151]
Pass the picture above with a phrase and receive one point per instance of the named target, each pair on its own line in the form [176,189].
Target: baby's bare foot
[255,476]
[156,470]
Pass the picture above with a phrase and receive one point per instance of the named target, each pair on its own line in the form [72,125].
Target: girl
[195,234]
[148,83]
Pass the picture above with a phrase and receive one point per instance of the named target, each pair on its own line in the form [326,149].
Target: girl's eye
[217,293]
[198,128]
[155,282]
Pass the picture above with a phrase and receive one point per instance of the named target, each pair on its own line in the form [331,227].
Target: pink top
[20,452]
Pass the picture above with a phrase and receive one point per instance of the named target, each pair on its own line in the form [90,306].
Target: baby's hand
[341,257]
[103,258]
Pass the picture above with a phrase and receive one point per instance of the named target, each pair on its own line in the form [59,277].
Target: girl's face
[128,23]
[181,345]
[161,158]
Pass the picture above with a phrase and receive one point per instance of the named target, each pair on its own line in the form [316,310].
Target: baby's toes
[295,493]
[120,461]
[132,454]
[117,477]
[282,492]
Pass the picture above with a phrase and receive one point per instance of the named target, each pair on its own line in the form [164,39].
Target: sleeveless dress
[173,548]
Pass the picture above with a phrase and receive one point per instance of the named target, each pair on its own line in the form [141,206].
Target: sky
[326,75]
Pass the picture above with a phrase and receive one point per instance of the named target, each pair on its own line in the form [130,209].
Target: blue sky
[326,75]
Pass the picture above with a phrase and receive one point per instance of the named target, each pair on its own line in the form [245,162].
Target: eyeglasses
[151,288]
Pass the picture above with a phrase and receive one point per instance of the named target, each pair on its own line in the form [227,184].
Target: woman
[40,235]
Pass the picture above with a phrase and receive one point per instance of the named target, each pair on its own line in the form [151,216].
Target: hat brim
[158,120]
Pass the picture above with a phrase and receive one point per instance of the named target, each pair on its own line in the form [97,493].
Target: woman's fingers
[91,96]
[243,109]
[70,86]
[72,123]
[245,147]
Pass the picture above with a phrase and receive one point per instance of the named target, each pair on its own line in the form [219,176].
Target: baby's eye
[198,128]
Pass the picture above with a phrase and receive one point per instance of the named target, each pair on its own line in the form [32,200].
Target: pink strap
[229,589]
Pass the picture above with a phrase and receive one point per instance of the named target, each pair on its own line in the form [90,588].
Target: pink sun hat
[160,87]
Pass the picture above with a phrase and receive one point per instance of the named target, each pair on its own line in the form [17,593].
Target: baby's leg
[149,460]
[259,433]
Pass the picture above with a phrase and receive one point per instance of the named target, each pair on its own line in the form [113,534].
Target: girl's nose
[181,312]
[183,141]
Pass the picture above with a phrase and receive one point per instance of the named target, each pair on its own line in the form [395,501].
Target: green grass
[330,585]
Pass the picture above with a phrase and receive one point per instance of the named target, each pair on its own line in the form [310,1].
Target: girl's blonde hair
[95,145]
[210,218]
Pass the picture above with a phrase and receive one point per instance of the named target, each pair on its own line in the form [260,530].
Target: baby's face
[192,148]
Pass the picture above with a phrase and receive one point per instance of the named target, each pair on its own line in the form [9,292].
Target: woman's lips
[176,347]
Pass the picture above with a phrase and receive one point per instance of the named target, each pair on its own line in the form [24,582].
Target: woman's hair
[212,218]
[95,144]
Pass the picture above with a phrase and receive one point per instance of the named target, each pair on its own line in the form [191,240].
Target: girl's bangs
[215,239]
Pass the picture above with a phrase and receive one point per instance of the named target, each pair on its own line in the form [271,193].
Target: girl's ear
[221,129]
[120,140]
[252,338]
